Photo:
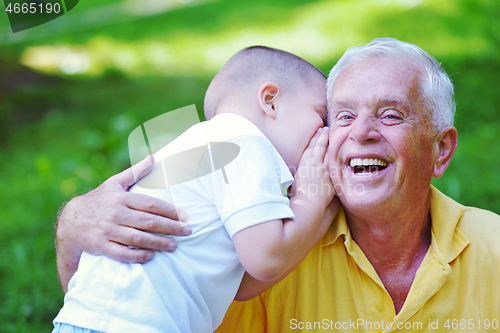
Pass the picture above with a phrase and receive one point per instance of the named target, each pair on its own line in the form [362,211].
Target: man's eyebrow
[394,102]
[342,104]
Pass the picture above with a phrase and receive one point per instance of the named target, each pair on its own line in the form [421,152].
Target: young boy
[266,109]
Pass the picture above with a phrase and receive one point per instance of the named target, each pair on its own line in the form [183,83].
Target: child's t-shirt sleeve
[257,181]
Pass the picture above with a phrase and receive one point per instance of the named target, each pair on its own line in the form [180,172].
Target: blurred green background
[73,89]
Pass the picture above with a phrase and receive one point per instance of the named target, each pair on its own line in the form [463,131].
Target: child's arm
[251,287]
[270,250]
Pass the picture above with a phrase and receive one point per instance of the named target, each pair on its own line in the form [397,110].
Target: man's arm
[107,219]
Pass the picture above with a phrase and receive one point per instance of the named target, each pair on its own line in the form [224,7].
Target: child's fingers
[314,139]
[310,147]
[321,144]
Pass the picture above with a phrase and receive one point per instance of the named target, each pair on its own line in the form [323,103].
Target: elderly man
[400,255]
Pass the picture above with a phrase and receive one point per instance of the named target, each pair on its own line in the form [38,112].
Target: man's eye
[344,118]
[392,117]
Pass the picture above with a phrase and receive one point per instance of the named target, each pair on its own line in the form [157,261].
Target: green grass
[61,135]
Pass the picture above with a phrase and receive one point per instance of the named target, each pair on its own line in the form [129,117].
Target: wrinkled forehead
[377,78]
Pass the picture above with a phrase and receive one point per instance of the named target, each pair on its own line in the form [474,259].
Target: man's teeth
[356,162]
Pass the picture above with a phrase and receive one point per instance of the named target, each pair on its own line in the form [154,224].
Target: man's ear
[268,96]
[446,142]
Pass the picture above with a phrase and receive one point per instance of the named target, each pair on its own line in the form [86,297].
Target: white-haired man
[400,255]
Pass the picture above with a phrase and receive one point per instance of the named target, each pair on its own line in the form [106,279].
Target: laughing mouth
[365,166]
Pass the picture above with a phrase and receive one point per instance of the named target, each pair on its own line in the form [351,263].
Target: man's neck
[394,246]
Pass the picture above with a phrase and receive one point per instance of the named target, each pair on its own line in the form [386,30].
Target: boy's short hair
[256,65]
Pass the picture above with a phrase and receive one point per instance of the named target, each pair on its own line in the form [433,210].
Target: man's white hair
[436,86]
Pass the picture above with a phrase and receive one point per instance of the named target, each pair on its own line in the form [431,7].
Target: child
[268,106]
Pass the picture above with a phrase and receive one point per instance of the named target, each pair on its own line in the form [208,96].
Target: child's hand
[330,212]
[312,179]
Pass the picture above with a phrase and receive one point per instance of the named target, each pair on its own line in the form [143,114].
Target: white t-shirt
[237,183]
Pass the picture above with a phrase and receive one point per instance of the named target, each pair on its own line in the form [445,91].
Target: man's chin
[360,200]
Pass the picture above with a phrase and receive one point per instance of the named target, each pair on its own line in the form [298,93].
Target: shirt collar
[445,215]
[338,227]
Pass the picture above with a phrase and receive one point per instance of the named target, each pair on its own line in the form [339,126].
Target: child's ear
[446,144]
[268,96]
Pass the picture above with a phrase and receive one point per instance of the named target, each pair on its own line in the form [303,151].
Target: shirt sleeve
[257,181]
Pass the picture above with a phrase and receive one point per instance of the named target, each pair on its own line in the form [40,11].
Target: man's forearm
[67,263]
[67,255]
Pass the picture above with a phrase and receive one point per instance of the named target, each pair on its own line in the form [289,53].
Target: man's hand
[104,221]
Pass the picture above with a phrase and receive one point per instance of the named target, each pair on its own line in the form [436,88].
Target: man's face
[381,148]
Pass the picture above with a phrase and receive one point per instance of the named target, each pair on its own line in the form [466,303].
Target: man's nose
[364,129]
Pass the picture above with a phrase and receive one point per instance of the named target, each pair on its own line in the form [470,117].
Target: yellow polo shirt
[456,288]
